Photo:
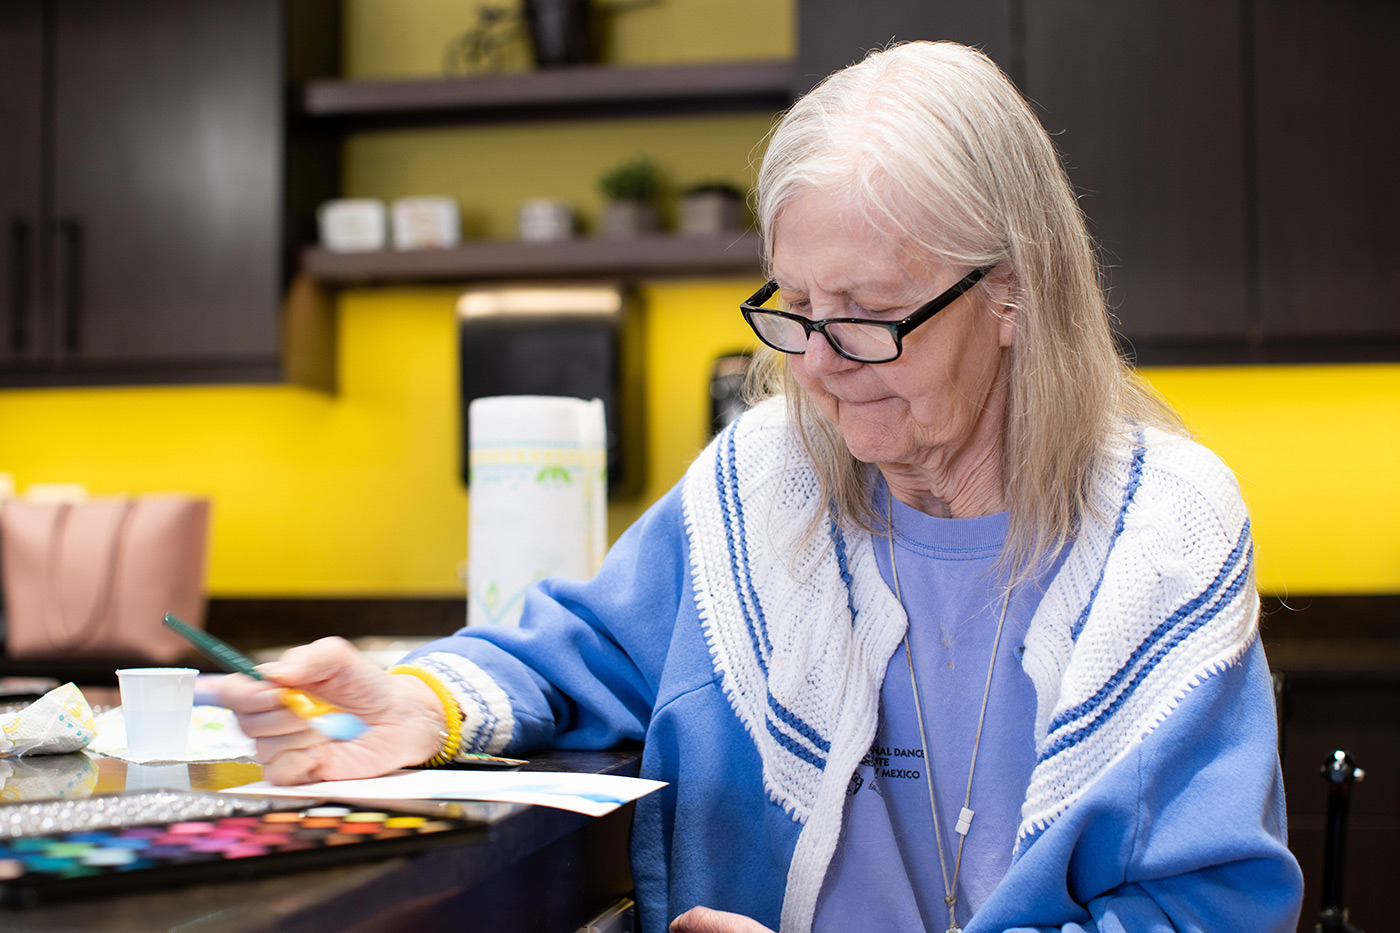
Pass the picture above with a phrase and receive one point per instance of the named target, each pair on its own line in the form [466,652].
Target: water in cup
[156,704]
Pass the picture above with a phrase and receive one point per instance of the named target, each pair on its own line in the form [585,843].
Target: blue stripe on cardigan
[1190,606]
[806,731]
[1074,738]
[1130,490]
[732,465]
[795,747]
[839,540]
[738,563]
[727,481]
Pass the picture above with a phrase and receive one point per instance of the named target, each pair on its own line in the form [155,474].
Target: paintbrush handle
[222,654]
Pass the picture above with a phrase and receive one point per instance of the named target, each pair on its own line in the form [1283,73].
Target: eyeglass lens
[865,342]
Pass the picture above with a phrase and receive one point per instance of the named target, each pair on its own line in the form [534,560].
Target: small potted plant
[709,208]
[631,191]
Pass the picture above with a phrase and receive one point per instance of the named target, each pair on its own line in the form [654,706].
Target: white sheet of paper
[593,794]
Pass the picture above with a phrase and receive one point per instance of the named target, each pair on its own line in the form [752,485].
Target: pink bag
[94,578]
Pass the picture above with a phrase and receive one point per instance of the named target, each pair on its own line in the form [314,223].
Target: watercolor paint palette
[224,844]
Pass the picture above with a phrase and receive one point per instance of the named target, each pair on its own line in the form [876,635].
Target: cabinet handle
[21,285]
[70,277]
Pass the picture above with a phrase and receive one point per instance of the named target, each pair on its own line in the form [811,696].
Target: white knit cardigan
[1155,594]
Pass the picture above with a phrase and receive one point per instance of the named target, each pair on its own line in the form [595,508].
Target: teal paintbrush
[330,721]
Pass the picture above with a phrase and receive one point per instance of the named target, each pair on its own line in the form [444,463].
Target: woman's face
[941,403]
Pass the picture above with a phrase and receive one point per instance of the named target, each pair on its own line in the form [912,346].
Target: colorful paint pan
[37,868]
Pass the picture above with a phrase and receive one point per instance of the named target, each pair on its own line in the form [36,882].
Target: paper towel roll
[538,498]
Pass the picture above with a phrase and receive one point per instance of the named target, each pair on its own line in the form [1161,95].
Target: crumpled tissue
[60,721]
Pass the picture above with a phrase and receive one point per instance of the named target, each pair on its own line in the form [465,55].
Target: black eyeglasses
[858,339]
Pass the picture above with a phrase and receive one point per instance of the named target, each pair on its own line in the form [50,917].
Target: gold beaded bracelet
[452,714]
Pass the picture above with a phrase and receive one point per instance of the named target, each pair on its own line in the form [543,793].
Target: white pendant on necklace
[964,823]
[955,929]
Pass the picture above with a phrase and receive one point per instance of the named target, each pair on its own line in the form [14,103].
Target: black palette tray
[136,841]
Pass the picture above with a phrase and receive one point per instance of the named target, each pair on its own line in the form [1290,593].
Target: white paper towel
[538,498]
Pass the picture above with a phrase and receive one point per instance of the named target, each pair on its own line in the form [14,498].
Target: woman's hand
[705,920]
[405,717]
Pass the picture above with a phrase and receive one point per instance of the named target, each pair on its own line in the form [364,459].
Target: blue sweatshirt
[749,656]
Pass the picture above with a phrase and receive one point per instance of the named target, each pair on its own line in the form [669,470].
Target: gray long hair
[935,145]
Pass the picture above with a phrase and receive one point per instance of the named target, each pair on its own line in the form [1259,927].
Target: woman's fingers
[260,710]
[367,757]
[297,766]
[705,920]
[332,669]
[243,694]
[407,730]
[405,715]
[270,746]
[325,659]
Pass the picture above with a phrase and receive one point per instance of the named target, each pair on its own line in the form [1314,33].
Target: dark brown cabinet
[832,34]
[1235,160]
[153,186]
[1152,118]
[21,108]
[1328,80]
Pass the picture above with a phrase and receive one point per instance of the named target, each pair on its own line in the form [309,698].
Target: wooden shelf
[556,93]
[547,94]
[666,256]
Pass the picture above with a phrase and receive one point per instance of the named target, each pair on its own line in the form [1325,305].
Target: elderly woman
[957,629]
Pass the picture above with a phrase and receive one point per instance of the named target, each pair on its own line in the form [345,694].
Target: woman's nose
[821,357]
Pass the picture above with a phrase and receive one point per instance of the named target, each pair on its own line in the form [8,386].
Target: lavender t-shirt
[885,874]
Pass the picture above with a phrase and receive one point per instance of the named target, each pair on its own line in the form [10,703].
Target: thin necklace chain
[950,885]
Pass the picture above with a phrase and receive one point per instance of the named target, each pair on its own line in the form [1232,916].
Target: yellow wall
[359,493]
[1317,452]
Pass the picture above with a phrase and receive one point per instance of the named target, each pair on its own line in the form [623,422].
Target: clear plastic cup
[157,703]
